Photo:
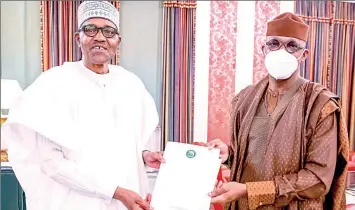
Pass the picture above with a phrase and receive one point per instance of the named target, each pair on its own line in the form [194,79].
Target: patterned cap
[288,24]
[98,9]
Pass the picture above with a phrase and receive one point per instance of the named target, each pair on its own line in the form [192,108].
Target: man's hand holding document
[186,178]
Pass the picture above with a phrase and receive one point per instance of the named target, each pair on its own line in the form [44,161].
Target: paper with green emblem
[184,181]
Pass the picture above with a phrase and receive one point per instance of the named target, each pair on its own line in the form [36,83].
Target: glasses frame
[98,29]
[283,44]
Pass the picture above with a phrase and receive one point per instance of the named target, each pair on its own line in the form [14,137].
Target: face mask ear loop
[301,55]
[264,51]
[298,64]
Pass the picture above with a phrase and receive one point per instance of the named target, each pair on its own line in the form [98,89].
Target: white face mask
[281,64]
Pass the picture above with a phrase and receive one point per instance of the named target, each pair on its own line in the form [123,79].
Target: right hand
[217,143]
[131,199]
[218,184]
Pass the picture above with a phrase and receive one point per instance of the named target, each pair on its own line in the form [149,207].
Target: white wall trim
[245,45]
[287,6]
[202,50]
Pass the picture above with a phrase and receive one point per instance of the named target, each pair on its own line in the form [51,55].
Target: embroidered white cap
[98,9]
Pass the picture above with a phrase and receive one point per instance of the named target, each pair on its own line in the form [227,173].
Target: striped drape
[178,49]
[332,51]
[342,71]
[58,25]
[317,15]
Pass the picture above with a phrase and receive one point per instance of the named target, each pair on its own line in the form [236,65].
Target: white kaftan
[75,136]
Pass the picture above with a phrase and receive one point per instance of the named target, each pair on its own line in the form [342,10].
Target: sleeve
[314,180]
[34,156]
[150,119]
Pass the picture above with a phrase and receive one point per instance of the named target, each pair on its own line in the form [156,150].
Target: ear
[119,40]
[263,49]
[305,55]
[77,38]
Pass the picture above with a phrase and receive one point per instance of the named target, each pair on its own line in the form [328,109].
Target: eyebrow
[298,42]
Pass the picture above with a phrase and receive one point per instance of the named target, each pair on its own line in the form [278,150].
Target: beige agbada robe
[296,157]
[75,136]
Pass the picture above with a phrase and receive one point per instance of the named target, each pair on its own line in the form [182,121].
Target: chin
[98,60]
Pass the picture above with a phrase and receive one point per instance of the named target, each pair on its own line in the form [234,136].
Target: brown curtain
[332,51]
[58,25]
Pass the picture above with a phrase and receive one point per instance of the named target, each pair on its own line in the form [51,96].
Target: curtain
[342,73]
[178,63]
[332,51]
[317,15]
[58,25]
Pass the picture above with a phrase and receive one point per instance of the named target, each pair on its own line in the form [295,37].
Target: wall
[140,48]
[239,29]
[141,42]
[20,41]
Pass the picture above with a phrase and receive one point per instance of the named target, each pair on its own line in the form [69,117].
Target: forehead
[100,22]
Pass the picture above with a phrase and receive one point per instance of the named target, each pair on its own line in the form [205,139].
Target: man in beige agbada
[288,143]
[76,138]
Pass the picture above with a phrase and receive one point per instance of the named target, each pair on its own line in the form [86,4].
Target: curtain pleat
[332,51]
[317,15]
[58,25]
[178,52]
[344,49]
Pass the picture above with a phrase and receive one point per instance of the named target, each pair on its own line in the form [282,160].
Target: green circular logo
[190,153]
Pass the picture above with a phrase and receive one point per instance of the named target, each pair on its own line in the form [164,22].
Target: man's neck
[97,68]
[281,86]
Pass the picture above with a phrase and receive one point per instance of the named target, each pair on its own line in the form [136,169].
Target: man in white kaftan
[76,137]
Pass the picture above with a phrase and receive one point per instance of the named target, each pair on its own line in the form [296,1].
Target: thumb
[161,157]
[158,157]
[148,198]
[219,199]
[211,145]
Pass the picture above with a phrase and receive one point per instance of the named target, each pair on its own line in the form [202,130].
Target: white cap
[98,9]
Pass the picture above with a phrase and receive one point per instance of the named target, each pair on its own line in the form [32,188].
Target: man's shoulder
[246,90]
[329,107]
[49,76]
[55,77]
[323,102]
[255,86]
[242,94]
[61,70]
[319,92]
[127,75]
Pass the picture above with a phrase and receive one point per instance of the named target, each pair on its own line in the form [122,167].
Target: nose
[283,47]
[99,36]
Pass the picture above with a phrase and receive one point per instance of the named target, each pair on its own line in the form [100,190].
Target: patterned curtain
[178,63]
[58,25]
[332,51]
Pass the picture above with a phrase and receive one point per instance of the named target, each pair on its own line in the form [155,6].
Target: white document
[184,181]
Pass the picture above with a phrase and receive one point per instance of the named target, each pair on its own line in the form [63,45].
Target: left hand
[228,192]
[223,148]
[153,159]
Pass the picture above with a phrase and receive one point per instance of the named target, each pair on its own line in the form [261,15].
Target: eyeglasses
[290,47]
[91,30]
